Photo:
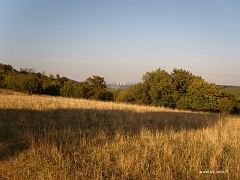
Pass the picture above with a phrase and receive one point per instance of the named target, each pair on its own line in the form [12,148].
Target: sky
[121,40]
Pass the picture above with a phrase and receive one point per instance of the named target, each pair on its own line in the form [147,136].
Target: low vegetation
[235,90]
[44,137]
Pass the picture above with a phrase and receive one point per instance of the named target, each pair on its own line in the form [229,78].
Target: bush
[225,105]
[183,103]
[71,89]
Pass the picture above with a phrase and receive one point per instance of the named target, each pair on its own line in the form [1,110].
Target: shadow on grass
[16,123]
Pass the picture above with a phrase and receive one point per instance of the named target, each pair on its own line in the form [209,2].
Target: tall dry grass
[44,137]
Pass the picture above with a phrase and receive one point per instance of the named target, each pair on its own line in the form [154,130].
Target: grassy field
[43,137]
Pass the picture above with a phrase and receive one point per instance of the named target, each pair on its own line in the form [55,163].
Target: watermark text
[213,172]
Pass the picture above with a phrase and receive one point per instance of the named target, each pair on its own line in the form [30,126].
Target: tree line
[178,89]
[31,82]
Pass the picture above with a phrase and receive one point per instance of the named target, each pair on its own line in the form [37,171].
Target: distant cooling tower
[117,83]
[124,83]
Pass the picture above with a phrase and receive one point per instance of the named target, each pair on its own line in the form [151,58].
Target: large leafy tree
[94,88]
[51,85]
[160,87]
[30,83]
[13,81]
[226,102]
[181,80]
[200,96]
[136,94]
[5,70]
[71,89]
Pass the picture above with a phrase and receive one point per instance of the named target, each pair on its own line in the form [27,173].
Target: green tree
[136,94]
[238,105]
[5,70]
[94,87]
[126,95]
[51,85]
[106,95]
[227,102]
[141,94]
[160,87]
[71,89]
[115,94]
[200,96]
[181,80]
[30,83]
[13,81]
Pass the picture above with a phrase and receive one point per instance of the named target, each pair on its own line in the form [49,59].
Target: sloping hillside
[44,137]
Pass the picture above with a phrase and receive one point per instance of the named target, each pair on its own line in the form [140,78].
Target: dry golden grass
[43,137]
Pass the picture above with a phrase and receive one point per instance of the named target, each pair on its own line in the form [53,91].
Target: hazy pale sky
[122,39]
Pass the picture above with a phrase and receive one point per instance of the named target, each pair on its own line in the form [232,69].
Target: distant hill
[117,87]
[232,89]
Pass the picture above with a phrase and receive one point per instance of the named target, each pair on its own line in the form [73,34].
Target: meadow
[44,137]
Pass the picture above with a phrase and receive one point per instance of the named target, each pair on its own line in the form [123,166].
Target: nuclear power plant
[121,83]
